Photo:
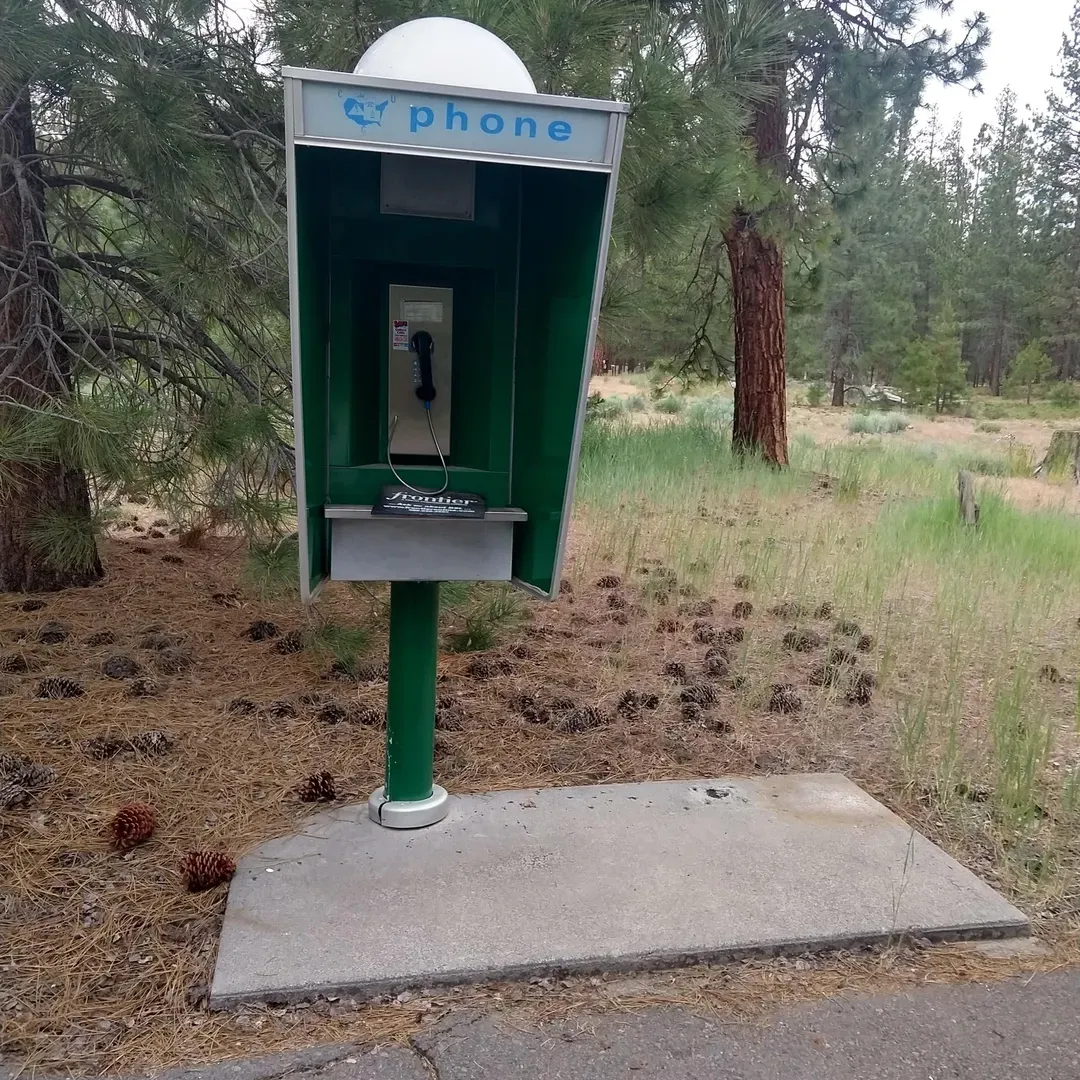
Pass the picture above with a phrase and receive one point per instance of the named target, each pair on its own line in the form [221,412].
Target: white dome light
[447,52]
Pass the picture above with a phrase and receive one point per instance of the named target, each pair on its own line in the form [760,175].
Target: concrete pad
[622,876]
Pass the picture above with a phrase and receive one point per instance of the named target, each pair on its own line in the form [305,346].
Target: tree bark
[757,288]
[838,387]
[35,369]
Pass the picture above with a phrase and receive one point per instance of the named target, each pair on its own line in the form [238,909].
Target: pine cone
[12,764]
[693,712]
[369,673]
[12,794]
[802,639]
[825,610]
[742,610]
[175,560]
[332,713]
[699,694]
[59,686]
[584,719]
[280,710]
[742,581]
[705,634]
[203,870]
[784,699]
[368,716]
[101,637]
[848,628]
[675,669]
[144,686]
[34,777]
[480,667]
[731,636]
[152,742]
[616,601]
[32,604]
[318,787]
[241,706]
[103,747]
[825,675]
[132,825]
[261,630]
[52,633]
[789,609]
[292,642]
[173,660]
[609,581]
[119,666]
[630,704]
[716,666]
[14,664]
[862,688]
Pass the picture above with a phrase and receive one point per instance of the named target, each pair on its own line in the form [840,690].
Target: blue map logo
[365,112]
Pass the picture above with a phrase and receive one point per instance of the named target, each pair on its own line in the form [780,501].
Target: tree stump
[1063,457]
[969,508]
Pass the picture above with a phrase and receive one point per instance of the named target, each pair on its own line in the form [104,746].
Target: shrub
[606,408]
[990,429]
[715,410]
[636,403]
[815,395]
[669,403]
[878,423]
[1064,396]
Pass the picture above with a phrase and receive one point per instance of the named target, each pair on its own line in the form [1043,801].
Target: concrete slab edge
[990,931]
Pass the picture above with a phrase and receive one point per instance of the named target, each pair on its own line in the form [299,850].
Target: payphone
[447,245]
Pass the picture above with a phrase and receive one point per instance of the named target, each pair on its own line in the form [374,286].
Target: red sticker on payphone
[400,340]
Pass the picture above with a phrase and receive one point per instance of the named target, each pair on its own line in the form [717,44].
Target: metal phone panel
[413,308]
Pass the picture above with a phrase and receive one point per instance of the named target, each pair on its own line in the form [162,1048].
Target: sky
[1025,37]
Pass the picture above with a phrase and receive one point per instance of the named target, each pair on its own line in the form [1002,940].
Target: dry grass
[105,959]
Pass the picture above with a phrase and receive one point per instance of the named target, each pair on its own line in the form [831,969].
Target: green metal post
[410,704]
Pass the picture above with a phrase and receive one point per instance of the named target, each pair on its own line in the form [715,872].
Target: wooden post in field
[969,508]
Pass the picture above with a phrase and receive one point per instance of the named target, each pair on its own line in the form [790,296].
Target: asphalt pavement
[1005,1031]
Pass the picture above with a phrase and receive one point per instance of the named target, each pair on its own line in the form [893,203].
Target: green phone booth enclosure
[447,248]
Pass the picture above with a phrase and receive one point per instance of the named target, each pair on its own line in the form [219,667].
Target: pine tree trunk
[34,370]
[757,288]
[838,387]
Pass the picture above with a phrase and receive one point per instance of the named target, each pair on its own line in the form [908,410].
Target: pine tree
[40,492]
[1030,368]
[932,372]
[822,31]
[1058,202]
[1002,275]
[142,285]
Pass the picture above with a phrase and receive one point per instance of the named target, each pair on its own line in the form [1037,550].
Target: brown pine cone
[132,825]
[203,870]
[318,787]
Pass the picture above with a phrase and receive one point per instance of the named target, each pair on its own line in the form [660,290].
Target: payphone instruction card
[398,501]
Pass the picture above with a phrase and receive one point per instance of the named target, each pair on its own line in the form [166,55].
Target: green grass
[878,423]
[965,618]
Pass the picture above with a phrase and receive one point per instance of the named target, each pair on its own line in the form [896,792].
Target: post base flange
[400,814]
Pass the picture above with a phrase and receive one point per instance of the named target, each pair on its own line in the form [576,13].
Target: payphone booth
[447,245]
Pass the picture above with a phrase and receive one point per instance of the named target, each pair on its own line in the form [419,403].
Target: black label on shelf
[396,501]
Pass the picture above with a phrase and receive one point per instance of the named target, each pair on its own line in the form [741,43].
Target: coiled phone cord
[438,450]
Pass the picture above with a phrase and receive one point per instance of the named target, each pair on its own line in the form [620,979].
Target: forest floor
[822,666]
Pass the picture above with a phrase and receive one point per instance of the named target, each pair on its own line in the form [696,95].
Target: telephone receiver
[423,345]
